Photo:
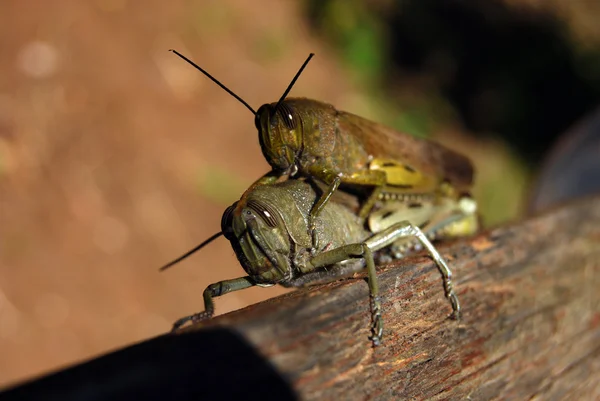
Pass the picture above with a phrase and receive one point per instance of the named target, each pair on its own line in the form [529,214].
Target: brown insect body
[308,138]
[315,137]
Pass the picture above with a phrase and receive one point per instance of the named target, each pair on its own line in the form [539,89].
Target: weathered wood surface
[530,328]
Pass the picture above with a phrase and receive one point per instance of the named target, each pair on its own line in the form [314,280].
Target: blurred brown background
[116,156]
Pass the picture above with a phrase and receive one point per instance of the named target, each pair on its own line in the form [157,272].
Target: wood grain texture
[530,327]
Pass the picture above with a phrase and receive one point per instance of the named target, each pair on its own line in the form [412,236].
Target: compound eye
[267,213]
[227,222]
[288,115]
[257,121]
[263,112]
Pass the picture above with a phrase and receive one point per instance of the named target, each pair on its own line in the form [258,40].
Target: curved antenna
[197,248]
[242,101]
[289,88]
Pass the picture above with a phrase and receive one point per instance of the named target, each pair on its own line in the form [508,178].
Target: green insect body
[268,230]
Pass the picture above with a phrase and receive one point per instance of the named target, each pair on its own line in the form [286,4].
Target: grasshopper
[307,138]
[268,230]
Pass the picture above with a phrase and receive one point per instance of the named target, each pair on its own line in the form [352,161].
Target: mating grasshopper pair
[287,233]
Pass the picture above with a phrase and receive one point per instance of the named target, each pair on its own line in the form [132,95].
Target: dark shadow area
[505,71]
[572,168]
[215,364]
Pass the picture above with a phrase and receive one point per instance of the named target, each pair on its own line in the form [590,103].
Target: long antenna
[289,88]
[242,101]
[197,248]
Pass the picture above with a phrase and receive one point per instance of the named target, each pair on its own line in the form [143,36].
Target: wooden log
[530,330]
[530,327]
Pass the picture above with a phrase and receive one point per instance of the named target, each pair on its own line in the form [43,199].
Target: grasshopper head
[280,134]
[259,239]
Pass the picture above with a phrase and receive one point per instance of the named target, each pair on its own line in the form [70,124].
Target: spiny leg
[344,253]
[214,290]
[372,178]
[320,277]
[376,319]
[370,202]
[316,210]
[407,229]
[375,178]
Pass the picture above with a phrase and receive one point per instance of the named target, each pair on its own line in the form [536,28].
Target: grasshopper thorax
[279,128]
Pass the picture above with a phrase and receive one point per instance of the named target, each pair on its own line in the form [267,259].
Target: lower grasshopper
[268,231]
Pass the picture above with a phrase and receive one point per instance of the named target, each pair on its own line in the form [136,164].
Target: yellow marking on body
[400,174]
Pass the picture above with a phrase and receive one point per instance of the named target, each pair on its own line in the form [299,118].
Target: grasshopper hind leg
[406,229]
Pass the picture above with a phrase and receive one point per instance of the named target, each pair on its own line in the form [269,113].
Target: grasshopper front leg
[214,290]
[316,210]
[375,178]
[352,251]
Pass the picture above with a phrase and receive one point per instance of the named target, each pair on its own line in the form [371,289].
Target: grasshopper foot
[456,311]
[195,318]
[376,322]
[453,298]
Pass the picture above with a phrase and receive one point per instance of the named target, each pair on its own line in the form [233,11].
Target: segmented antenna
[289,88]
[197,248]
[242,101]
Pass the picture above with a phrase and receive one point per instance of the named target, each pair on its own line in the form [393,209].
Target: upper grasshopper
[308,138]
[268,230]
